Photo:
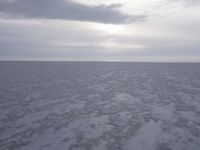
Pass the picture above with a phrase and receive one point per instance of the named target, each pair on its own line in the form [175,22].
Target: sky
[100,30]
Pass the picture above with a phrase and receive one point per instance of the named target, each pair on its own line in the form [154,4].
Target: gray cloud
[187,2]
[46,41]
[66,10]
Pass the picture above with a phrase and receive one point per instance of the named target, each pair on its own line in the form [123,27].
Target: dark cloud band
[66,10]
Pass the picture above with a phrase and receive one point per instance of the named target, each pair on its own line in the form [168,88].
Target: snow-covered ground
[99,106]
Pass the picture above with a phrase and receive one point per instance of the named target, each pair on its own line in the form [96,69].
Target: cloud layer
[66,10]
[187,2]
[78,30]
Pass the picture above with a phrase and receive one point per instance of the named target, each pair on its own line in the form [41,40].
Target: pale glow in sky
[120,30]
[110,29]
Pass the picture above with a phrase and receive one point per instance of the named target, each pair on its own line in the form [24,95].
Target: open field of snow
[99,106]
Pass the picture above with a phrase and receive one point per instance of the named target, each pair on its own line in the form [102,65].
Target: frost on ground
[99,106]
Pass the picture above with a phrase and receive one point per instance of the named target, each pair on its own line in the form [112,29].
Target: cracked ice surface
[99,106]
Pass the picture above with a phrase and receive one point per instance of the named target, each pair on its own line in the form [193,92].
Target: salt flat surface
[99,106]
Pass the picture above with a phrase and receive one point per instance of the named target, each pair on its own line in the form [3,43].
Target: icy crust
[99,106]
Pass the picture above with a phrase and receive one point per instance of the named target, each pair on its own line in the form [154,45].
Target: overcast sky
[100,30]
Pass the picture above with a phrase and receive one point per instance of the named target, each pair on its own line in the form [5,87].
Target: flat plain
[99,106]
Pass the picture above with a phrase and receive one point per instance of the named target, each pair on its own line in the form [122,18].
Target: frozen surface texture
[99,106]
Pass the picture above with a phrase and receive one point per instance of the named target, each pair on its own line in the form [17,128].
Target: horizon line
[98,61]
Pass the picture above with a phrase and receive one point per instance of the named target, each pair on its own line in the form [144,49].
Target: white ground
[99,106]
